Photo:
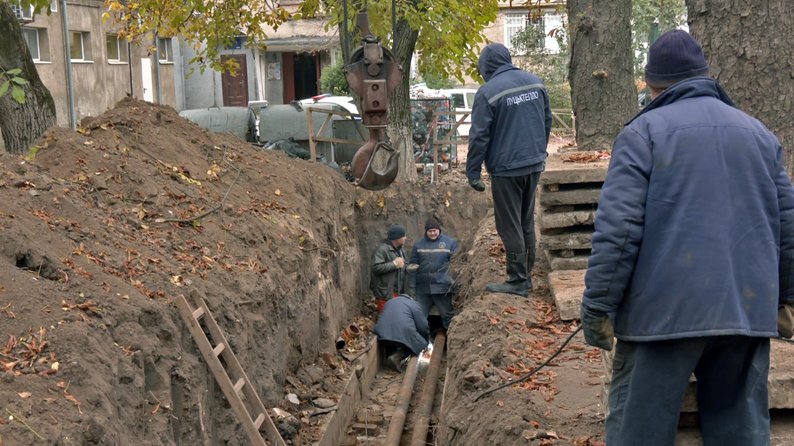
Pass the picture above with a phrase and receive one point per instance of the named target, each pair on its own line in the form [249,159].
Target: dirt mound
[102,228]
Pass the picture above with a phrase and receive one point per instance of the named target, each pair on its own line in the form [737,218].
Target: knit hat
[396,232]
[432,223]
[674,56]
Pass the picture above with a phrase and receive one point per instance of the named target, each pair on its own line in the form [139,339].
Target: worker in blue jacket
[429,269]
[692,260]
[510,128]
[402,331]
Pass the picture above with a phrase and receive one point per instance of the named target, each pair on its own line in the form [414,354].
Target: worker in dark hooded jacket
[510,128]
[387,278]
[692,259]
[429,268]
[402,330]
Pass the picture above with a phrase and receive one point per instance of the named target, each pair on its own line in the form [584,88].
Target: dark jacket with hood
[385,277]
[403,321]
[510,119]
[432,256]
[694,233]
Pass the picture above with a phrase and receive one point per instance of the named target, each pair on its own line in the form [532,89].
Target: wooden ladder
[232,379]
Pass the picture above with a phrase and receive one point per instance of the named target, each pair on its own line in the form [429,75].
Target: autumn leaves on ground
[102,228]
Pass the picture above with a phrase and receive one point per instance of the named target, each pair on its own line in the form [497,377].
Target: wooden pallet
[231,378]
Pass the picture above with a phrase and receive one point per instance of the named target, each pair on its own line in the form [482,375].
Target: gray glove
[785,320]
[477,184]
[597,327]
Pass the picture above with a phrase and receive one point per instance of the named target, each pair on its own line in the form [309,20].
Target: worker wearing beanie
[692,259]
[429,270]
[387,277]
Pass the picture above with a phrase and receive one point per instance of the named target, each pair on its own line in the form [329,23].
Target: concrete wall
[97,83]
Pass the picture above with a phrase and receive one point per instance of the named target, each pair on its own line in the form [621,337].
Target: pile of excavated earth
[104,230]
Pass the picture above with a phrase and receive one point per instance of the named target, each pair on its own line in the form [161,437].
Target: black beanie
[674,56]
[432,223]
[396,232]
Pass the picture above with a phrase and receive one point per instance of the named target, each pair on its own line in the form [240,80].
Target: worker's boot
[516,282]
[530,265]
[395,361]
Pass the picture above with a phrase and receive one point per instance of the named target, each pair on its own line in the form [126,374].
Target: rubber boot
[516,282]
[530,265]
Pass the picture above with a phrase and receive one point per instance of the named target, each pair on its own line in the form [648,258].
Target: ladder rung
[259,420]
[239,385]
[198,312]
[219,349]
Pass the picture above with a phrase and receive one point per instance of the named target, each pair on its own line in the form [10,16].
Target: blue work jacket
[510,118]
[694,233]
[432,256]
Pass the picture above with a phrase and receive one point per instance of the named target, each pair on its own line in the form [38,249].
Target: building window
[117,49]
[38,43]
[54,6]
[23,13]
[79,46]
[524,31]
[164,48]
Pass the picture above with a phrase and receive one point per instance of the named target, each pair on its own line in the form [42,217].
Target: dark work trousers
[514,205]
[442,301]
[649,380]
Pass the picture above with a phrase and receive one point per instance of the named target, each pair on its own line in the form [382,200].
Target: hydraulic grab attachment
[373,73]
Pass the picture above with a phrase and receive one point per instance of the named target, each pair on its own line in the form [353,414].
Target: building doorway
[235,88]
[301,75]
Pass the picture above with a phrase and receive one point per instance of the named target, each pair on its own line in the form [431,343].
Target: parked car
[346,102]
[462,101]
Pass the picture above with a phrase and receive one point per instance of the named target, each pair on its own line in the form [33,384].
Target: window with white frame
[166,53]
[24,13]
[38,43]
[517,23]
[117,49]
[79,46]
[54,6]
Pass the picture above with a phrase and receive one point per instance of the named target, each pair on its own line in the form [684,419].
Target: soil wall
[102,229]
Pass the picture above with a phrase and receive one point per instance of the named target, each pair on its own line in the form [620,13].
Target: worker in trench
[387,275]
[510,127]
[428,270]
[402,331]
[692,264]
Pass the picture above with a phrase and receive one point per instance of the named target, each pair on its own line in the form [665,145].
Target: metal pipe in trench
[425,406]
[398,417]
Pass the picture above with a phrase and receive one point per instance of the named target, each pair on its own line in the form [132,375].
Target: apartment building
[104,67]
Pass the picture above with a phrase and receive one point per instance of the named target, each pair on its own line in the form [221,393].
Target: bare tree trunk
[21,124]
[748,44]
[601,74]
[400,104]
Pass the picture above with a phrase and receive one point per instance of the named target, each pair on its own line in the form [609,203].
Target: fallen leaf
[278,192]
[24,395]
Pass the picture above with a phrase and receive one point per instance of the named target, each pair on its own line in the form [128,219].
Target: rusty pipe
[425,405]
[398,416]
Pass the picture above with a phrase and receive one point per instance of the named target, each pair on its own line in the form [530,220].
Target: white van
[462,101]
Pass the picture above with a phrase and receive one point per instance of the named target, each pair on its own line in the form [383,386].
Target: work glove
[785,320]
[477,184]
[399,262]
[597,327]
[412,267]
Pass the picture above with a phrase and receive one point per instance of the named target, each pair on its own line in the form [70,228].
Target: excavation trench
[106,228]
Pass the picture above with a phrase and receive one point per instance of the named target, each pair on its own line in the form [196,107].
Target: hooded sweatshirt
[510,119]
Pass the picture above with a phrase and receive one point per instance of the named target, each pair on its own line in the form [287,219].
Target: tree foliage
[332,80]
[650,19]
[209,25]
